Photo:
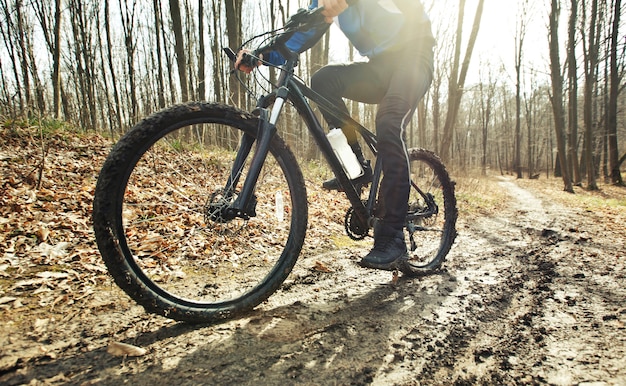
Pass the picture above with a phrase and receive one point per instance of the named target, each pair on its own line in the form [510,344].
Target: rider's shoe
[389,252]
[365,178]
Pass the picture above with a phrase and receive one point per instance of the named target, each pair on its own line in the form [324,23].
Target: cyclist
[396,37]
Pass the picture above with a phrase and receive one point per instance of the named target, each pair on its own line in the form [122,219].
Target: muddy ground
[533,292]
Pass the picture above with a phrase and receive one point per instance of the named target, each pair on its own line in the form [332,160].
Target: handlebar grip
[249,59]
[230,53]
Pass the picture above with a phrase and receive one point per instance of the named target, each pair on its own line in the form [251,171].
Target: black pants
[396,81]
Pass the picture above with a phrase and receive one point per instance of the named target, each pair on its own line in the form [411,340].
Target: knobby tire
[159,241]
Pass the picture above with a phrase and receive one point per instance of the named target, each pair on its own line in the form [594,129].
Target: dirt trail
[534,295]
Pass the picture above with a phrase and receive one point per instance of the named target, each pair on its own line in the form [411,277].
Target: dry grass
[607,197]
[478,195]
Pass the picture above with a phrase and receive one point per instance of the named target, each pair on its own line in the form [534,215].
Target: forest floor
[533,292]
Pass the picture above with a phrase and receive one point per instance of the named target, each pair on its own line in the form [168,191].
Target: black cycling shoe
[365,178]
[389,252]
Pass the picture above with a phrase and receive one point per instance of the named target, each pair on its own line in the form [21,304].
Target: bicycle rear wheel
[432,213]
[158,223]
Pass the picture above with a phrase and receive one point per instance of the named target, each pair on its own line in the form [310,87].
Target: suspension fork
[244,205]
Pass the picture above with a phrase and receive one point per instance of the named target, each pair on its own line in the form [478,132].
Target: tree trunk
[217,62]
[485,120]
[128,22]
[614,164]
[572,76]
[519,44]
[106,115]
[56,61]
[21,40]
[436,100]
[529,111]
[557,92]
[591,64]
[116,93]
[457,79]
[233,29]
[7,38]
[179,48]
[158,22]
[201,53]
[78,31]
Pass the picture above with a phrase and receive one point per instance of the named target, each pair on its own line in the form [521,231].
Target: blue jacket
[372,26]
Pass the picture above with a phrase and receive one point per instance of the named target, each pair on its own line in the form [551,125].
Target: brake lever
[305,17]
[249,59]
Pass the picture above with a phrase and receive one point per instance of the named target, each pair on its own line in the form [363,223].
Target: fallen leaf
[52,275]
[7,299]
[119,349]
[42,233]
[321,267]
[41,325]
[52,251]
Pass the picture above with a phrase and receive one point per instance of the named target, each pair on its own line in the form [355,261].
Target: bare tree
[109,42]
[557,91]
[218,83]
[458,75]
[233,29]
[8,32]
[614,163]
[50,21]
[179,48]
[590,52]
[82,21]
[158,22]
[530,112]
[56,60]
[520,34]
[201,53]
[128,28]
[572,77]
[486,104]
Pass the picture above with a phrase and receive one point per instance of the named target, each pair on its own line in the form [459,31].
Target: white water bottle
[343,151]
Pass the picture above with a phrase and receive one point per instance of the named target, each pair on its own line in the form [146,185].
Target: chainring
[355,229]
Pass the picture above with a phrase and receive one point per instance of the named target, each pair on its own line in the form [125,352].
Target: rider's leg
[355,81]
[407,86]
[359,81]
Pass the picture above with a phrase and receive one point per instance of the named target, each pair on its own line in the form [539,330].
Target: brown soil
[532,293]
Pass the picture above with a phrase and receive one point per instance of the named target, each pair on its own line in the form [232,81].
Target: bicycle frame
[291,88]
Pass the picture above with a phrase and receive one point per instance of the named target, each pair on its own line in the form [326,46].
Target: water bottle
[280,207]
[343,151]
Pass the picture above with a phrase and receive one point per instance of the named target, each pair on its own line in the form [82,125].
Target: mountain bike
[200,210]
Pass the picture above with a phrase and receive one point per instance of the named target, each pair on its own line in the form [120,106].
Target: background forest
[558,99]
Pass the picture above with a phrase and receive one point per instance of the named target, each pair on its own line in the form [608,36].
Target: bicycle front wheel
[159,223]
[432,215]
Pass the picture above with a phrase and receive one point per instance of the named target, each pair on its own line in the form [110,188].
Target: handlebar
[303,20]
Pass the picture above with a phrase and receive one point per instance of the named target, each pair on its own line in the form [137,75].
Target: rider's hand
[332,8]
[245,67]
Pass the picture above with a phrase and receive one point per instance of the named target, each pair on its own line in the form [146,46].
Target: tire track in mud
[487,327]
[495,339]
[513,325]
